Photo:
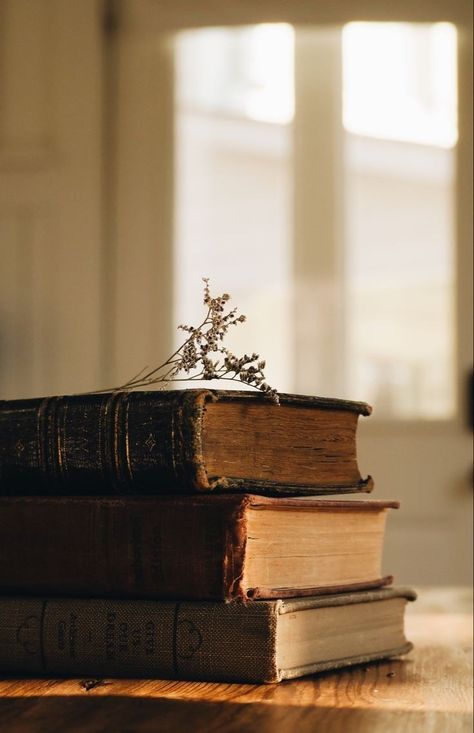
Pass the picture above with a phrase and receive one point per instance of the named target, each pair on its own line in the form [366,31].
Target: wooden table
[428,692]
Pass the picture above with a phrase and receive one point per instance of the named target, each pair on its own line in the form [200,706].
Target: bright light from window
[241,72]
[399,82]
[270,96]
[233,195]
[399,89]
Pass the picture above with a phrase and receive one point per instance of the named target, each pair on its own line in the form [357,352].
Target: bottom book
[258,641]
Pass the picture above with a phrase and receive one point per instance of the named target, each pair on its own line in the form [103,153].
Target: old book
[224,547]
[259,641]
[183,441]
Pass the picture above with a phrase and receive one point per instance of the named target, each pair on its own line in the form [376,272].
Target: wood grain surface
[428,691]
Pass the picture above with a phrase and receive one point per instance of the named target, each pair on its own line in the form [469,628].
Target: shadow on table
[119,714]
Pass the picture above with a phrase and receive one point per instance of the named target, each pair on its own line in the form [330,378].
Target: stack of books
[180,534]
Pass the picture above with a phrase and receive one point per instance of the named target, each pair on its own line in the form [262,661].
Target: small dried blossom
[203,356]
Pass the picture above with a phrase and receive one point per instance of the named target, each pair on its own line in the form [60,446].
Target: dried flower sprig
[196,358]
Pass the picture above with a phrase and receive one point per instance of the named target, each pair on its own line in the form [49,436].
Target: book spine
[103,444]
[108,638]
[139,548]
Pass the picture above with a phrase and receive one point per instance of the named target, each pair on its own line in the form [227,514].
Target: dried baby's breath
[203,356]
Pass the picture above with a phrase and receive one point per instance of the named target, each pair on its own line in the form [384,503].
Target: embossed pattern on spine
[138,638]
[42,436]
[114,442]
[51,417]
[188,459]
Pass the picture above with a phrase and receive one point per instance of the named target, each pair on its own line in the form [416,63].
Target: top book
[179,441]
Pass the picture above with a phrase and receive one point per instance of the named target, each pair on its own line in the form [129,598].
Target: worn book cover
[179,441]
[226,547]
[259,641]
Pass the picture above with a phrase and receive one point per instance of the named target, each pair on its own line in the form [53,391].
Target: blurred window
[235,102]
[399,110]
[400,82]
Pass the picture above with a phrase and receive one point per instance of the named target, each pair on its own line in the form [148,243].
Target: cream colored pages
[310,549]
[318,635]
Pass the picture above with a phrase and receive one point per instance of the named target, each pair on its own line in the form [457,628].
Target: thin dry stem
[202,355]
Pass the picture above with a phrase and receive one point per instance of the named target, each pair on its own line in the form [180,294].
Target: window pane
[399,216]
[234,101]
[400,81]
[236,98]
[246,72]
